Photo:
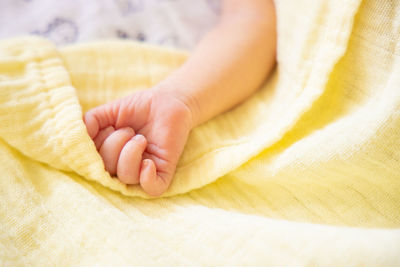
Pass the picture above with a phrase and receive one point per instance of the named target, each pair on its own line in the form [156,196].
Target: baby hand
[141,137]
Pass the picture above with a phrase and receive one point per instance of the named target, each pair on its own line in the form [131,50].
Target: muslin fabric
[305,172]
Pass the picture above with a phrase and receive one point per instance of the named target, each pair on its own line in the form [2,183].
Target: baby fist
[141,137]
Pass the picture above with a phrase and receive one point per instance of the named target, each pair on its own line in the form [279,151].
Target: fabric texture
[177,23]
[305,172]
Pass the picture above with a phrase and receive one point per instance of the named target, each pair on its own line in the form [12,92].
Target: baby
[141,136]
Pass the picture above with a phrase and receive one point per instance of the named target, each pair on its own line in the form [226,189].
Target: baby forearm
[228,65]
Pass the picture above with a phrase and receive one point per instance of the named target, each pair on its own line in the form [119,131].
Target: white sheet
[177,23]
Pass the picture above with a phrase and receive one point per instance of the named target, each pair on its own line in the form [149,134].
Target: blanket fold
[317,144]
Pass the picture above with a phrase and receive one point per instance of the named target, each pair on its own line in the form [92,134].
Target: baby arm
[230,63]
[141,137]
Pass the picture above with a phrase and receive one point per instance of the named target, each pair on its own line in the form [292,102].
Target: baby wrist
[178,92]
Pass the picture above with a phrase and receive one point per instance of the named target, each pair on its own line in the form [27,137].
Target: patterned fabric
[178,23]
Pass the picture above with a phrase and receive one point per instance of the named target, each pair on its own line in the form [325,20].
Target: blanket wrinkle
[306,169]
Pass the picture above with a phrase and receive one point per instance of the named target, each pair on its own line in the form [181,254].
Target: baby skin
[141,136]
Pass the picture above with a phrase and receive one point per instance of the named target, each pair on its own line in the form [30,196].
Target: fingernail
[146,162]
[138,137]
[127,129]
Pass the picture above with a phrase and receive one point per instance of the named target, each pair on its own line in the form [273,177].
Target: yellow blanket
[305,172]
